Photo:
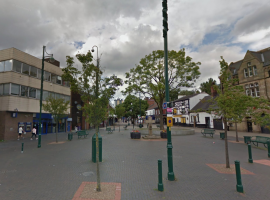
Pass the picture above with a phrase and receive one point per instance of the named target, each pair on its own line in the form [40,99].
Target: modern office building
[20,83]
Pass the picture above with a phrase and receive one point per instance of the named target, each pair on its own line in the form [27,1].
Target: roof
[204,104]
[185,97]
[234,66]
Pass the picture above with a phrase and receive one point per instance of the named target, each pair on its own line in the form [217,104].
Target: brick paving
[56,171]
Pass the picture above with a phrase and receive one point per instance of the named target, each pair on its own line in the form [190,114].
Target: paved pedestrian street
[130,167]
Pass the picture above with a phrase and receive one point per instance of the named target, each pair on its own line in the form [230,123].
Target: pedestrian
[34,133]
[21,131]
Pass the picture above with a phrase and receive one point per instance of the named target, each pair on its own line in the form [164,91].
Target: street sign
[169,121]
[165,105]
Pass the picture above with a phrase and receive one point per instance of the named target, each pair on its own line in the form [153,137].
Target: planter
[135,135]
[163,134]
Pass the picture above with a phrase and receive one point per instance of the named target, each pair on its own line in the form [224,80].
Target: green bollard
[239,186]
[22,148]
[250,160]
[268,146]
[94,148]
[160,184]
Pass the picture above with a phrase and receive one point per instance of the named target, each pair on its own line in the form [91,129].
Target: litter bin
[70,136]
[94,154]
[222,135]
[247,139]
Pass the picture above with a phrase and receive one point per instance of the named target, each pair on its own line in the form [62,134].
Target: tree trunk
[97,160]
[226,144]
[237,140]
[194,119]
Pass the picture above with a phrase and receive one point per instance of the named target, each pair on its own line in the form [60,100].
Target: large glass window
[245,72]
[2,66]
[66,83]
[54,78]
[47,76]
[67,98]
[6,89]
[32,92]
[38,94]
[33,71]
[45,95]
[8,65]
[17,66]
[15,89]
[57,96]
[59,80]
[39,73]
[1,89]
[24,91]
[25,69]
[52,94]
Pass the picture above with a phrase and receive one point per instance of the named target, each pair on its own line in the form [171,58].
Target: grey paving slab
[55,171]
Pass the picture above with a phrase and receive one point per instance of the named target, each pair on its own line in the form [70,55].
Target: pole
[250,160]
[22,148]
[40,101]
[169,138]
[239,186]
[160,184]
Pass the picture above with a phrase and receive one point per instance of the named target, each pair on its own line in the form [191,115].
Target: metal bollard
[160,184]
[22,148]
[250,160]
[268,146]
[239,186]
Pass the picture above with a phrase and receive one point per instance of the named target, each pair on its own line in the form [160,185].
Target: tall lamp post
[169,137]
[140,111]
[41,91]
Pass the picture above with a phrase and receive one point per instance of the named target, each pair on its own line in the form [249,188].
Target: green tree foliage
[120,111]
[58,107]
[206,86]
[188,92]
[132,106]
[148,77]
[94,90]
[232,104]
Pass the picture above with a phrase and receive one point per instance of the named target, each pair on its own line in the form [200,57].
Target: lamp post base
[171,176]
[39,141]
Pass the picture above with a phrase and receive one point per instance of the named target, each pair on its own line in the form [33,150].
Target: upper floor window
[25,69]
[252,90]
[6,66]
[17,66]
[250,71]
[245,72]
[254,70]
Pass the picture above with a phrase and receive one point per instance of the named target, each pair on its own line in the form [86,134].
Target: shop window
[24,91]
[15,89]
[2,66]
[245,72]
[32,92]
[33,71]
[25,69]
[8,65]
[17,66]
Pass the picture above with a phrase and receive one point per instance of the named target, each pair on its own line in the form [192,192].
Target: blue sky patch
[78,44]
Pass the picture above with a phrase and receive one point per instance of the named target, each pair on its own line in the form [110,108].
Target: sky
[127,30]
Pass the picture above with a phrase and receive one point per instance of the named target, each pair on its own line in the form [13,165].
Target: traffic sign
[169,121]
[165,105]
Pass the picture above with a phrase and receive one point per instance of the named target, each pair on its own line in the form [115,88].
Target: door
[249,126]
[207,122]
[218,124]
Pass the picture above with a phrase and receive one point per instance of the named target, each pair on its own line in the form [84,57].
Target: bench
[110,130]
[260,139]
[82,133]
[208,131]
[125,127]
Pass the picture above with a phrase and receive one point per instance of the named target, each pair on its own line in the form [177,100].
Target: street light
[41,91]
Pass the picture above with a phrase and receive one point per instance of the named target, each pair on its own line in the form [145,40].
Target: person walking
[34,133]
[20,133]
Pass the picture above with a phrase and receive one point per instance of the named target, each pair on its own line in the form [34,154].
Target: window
[247,92]
[6,89]
[245,72]
[257,90]
[254,70]
[17,66]
[24,91]
[45,95]
[52,94]
[8,65]
[47,76]
[54,78]
[249,64]
[57,96]
[39,73]
[25,69]
[33,71]
[2,66]
[67,98]
[250,71]
[32,92]
[1,89]
[59,80]
[38,94]
[252,92]
[66,83]
[15,89]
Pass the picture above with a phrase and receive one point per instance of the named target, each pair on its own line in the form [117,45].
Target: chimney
[213,91]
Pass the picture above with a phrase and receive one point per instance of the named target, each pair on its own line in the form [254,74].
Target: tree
[148,77]
[206,86]
[94,90]
[132,107]
[58,107]
[232,104]
[187,92]
[120,111]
